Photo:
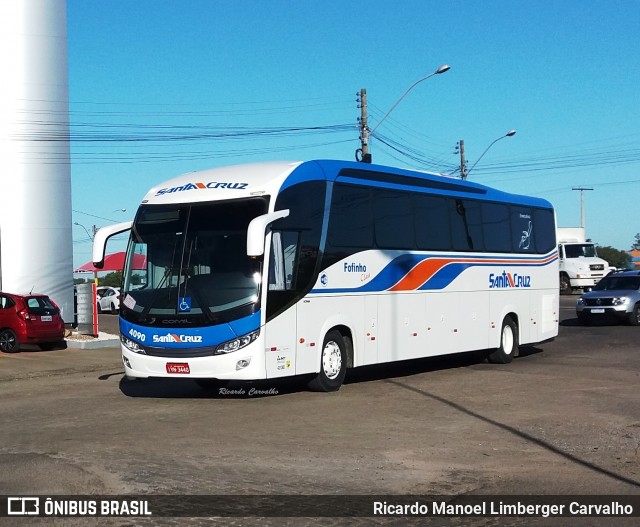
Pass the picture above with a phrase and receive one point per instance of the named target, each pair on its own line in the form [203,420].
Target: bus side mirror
[257,230]
[100,240]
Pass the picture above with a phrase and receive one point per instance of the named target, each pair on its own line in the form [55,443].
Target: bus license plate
[178,367]
[597,310]
[46,318]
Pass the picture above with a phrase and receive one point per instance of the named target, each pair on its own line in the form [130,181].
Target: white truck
[580,267]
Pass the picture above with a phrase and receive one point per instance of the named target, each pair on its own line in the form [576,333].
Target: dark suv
[617,294]
[29,319]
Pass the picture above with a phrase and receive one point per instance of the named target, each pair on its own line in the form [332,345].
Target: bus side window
[351,220]
[466,225]
[544,223]
[284,250]
[522,233]
[393,219]
[497,227]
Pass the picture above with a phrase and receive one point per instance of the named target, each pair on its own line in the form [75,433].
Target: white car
[108,299]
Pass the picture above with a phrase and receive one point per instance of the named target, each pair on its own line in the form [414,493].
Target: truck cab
[580,266]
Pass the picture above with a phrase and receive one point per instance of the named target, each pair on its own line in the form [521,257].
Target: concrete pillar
[35,174]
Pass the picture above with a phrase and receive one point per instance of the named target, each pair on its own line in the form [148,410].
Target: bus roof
[268,178]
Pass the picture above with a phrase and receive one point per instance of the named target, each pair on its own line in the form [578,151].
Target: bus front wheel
[508,343]
[333,364]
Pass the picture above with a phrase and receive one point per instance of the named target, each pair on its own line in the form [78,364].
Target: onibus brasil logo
[508,280]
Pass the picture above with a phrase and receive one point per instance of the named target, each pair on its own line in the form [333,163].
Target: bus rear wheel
[508,343]
[333,364]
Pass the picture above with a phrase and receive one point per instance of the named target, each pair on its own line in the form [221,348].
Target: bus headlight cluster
[131,345]
[236,344]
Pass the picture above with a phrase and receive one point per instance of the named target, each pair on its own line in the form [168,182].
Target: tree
[636,243]
[112,279]
[614,257]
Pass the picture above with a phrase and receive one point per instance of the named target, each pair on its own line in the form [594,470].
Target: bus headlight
[131,345]
[236,344]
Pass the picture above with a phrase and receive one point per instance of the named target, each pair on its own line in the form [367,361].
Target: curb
[92,344]
[103,340]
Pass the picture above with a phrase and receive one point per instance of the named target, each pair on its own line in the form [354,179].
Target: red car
[29,319]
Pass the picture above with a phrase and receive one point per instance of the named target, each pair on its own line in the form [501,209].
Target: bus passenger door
[280,331]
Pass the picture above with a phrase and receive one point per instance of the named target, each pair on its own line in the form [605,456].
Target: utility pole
[91,235]
[365,156]
[581,189]
[463,162]
[362,153]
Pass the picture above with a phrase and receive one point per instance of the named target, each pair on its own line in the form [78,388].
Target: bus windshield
[190,260]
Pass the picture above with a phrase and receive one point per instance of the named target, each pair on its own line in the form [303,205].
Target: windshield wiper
[156,292]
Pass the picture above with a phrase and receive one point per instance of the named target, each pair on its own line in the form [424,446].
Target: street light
[510,133]
[86,230]
[364,139]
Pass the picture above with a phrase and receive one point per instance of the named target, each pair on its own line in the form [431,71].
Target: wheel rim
[7,341]
[507,339]
[331,360]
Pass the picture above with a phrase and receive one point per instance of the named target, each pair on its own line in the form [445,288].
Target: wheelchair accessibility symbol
[184,304]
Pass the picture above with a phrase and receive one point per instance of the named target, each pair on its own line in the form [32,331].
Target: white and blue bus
[268,270]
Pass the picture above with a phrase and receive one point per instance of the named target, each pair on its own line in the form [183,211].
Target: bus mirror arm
[257,229]
[100,240]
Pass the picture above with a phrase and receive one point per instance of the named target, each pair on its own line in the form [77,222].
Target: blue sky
[158,88]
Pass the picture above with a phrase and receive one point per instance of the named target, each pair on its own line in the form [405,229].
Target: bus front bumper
[244,364]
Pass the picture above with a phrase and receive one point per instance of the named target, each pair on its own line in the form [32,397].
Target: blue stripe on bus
[173,337]
[451,267]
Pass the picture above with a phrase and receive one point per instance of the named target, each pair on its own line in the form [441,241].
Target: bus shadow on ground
[189,388]
[408,368]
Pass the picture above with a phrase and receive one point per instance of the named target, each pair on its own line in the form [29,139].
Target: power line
[131,141]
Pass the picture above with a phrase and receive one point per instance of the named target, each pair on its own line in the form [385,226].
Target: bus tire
[508,343]
[333,364]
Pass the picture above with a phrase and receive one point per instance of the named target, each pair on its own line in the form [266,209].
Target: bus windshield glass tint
[190,260]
